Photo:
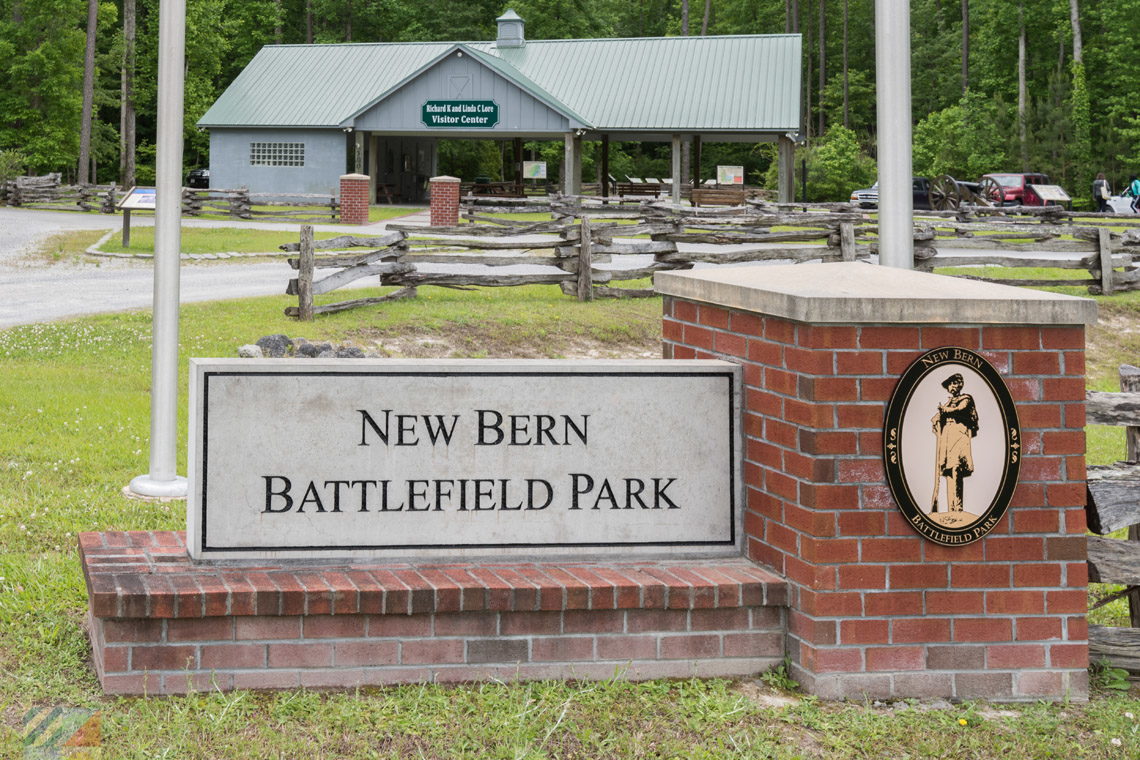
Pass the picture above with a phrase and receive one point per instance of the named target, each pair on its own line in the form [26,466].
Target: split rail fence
[585,232]
[265,207]
[47,192]
[1114,504]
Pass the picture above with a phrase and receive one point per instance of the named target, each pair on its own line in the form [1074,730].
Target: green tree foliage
[1081,119]
[836,165]
[41,73]
[965,140]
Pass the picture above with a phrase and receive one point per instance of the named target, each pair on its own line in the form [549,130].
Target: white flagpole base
[145,485]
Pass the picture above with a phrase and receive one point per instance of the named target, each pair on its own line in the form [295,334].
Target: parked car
[1013,189]
[199,178]
[869,197]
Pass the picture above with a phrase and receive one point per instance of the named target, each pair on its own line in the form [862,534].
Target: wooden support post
[1104,246]
[518,160]
[847,240]
[305,275]
[696,170]
[570,145]
[126,228]
[585,259]
[1130,383]
[675,188]
[605,173]
[786,182]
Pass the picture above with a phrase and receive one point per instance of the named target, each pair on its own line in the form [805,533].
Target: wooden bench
[639,188]
[719,196]
[497,189]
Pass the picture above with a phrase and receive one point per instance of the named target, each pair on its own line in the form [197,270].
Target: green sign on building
[461,114]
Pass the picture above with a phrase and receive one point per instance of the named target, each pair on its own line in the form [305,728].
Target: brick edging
[148,574]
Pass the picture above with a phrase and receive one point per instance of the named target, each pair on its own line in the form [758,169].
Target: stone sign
[952,446]
[402,458]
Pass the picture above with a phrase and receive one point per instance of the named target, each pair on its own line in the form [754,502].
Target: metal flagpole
[892,80]
[162,479]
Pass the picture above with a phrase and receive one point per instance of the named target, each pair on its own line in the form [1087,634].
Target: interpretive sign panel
[460,114]
[138,198]
[730,175]
[534,170]
[952,446]
[408,458]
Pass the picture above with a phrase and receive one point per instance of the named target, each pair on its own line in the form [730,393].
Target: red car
[1012,189]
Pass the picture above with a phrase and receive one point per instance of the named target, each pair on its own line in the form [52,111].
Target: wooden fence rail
[1114,503]
[584,232]
[47,193]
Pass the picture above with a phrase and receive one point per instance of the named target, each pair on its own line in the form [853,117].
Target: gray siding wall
[462,78]
[325,151]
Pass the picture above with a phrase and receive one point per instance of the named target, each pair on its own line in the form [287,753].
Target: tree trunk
[965,46]
[348,21]
[1075,20]
[1022,95]
[787,16]
[127,98]
[309,21]
[822,58]
[88,94]
[684,18]
[845,70]
[795,16]
[278,34]
[807,78]
[705,18]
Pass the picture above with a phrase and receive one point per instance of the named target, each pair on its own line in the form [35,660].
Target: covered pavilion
[299,116]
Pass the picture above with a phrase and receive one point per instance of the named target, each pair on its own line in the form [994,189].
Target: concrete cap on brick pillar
[858,293]
[445,178]
[354,176]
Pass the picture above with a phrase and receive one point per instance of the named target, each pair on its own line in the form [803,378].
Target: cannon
[947,193]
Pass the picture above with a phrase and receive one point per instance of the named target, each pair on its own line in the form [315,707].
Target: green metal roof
[660,84]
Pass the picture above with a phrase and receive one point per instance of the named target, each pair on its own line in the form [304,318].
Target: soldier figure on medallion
[955,425]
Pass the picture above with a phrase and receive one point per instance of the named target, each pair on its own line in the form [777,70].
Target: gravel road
[36,291]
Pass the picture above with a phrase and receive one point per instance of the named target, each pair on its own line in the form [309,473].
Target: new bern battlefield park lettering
[307,458]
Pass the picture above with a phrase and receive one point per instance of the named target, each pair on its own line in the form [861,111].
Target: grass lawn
[74,399]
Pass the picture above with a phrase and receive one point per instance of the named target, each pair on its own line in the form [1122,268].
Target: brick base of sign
[160,624]
[875,610]
[354,199]
[444,201]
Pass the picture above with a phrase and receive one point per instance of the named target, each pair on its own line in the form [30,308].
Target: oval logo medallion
[952,446]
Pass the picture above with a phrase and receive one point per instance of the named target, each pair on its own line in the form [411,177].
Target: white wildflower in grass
[1130,716]
[1116,742]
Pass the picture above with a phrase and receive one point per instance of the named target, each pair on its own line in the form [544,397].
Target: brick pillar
[354,199]
[875,609]
[444,201]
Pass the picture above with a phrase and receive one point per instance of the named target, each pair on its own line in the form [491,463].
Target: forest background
[998,85]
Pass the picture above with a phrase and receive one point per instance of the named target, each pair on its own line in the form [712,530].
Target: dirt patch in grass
[1112,341]
[455,341]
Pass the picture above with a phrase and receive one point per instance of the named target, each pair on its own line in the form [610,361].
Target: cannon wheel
[944,194]
[990,192]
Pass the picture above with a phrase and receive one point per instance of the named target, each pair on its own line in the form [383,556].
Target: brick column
[876,610]
[444,201]
[354,199]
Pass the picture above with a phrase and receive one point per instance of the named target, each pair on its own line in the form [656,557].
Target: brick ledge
[148,574]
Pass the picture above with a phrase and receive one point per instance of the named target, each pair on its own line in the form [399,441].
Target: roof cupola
[511,31]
